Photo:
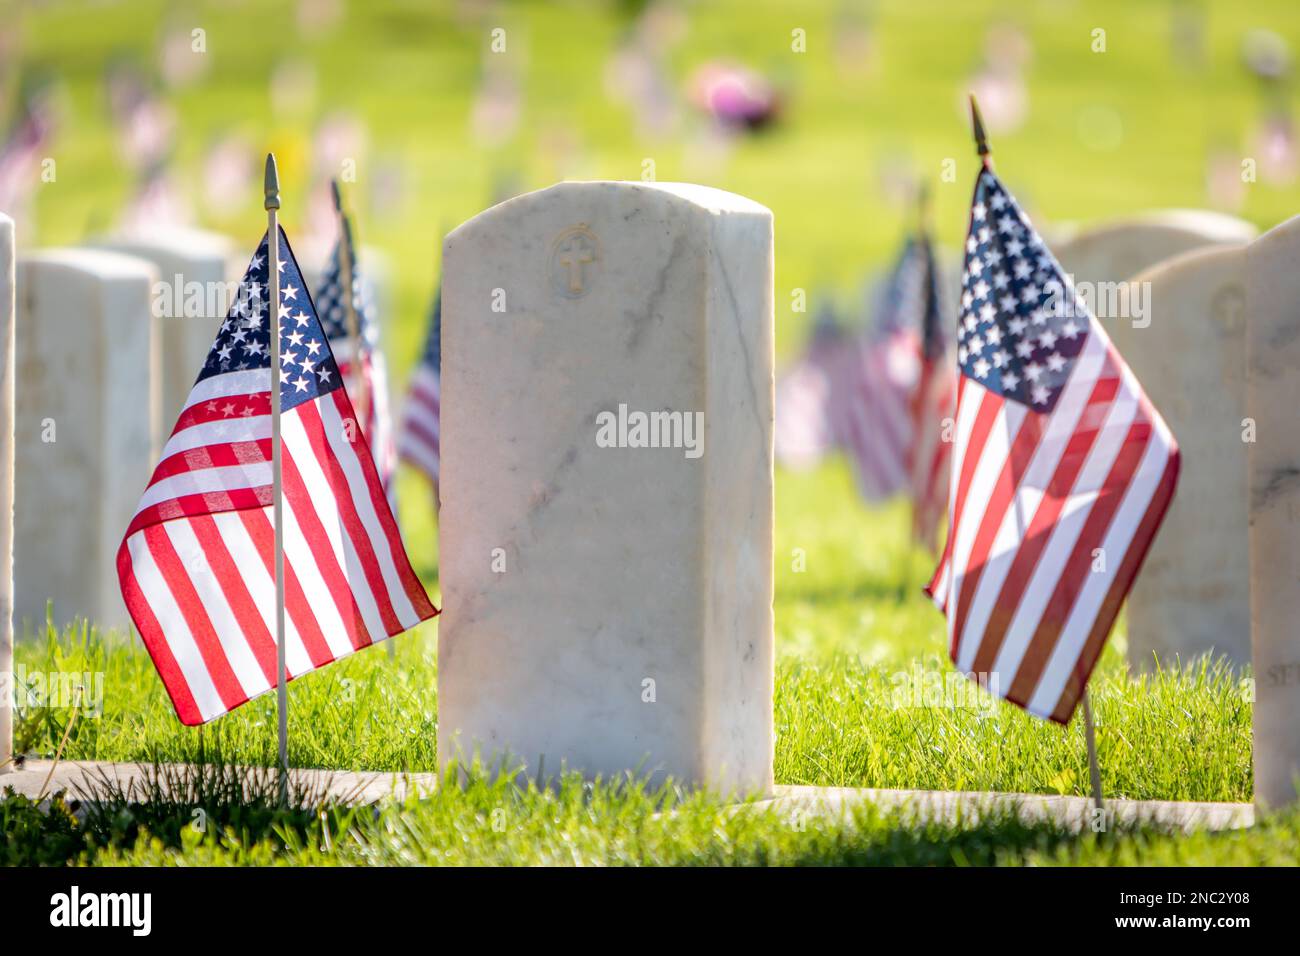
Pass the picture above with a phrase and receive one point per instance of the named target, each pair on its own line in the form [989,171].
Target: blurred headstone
[1115,251]
[1189,352]
[87,395]
[1272,398]
[608,574]
[195,291]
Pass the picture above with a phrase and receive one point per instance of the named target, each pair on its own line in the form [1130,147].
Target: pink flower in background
[1275,145]
[736,97]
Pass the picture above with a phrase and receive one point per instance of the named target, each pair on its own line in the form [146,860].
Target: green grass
[853,630]
[573,823]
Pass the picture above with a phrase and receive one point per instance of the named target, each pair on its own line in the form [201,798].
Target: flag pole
[1090,733]
[272,205]
[1089,729]
[981,138]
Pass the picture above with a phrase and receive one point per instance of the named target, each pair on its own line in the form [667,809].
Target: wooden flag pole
[1094,767]
[923,209]
[347,269]
[981,139]
[272,204]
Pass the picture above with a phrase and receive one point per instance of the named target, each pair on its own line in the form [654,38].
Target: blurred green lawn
[409,70]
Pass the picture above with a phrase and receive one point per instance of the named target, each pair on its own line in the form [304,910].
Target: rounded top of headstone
[706,198]
[1285,231]
[98,262]
[1202,258]
[172,240]
[1203,224]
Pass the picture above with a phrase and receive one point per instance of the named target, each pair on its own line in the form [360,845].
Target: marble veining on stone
[609,609]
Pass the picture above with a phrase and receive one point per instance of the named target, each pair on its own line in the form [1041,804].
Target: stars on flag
[244,340]
[1017,335]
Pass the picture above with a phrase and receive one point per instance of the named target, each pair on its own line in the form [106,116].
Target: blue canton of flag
[307,366]
[330,304]
[1021,327]
[420,440]
[432,356]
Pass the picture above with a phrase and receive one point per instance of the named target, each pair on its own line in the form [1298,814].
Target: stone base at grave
[608,606]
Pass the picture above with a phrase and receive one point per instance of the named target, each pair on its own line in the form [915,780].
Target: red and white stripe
[378,424]
[419,440]
[931,457]
[197,562]
[803,433]
[1050,517]
[872,384]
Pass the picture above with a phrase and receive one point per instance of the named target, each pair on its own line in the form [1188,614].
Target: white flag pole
[1090,732]
[347,271]
[272,204]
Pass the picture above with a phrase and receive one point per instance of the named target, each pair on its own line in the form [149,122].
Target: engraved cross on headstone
[575,252]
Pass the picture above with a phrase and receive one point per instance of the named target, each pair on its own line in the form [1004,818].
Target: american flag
[804,433]
[421,431]
[874,381]
[1062,471]
[931,407]
[370,386]
[197,562]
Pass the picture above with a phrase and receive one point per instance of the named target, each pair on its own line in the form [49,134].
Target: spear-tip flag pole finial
[344,222]
[977,126]
[272,183]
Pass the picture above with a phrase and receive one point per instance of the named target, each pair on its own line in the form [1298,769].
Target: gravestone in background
[1189,353]
[86,397]
[1273,402]
[609,609]
[6,489]
[1115,251]
[192,266]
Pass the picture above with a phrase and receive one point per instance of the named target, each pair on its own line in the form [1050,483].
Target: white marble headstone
[1189,353]
[86,397]
[609,609]
[1273,402]
[1114,251]
[196,286]
[6,489]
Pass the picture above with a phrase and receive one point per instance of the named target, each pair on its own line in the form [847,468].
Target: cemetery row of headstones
[653,304]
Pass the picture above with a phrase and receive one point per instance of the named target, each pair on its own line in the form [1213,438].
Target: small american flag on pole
[1062,471]
[419,440]
[197,562]
[803,433]
[367,376]
[931,407]
[874,381]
